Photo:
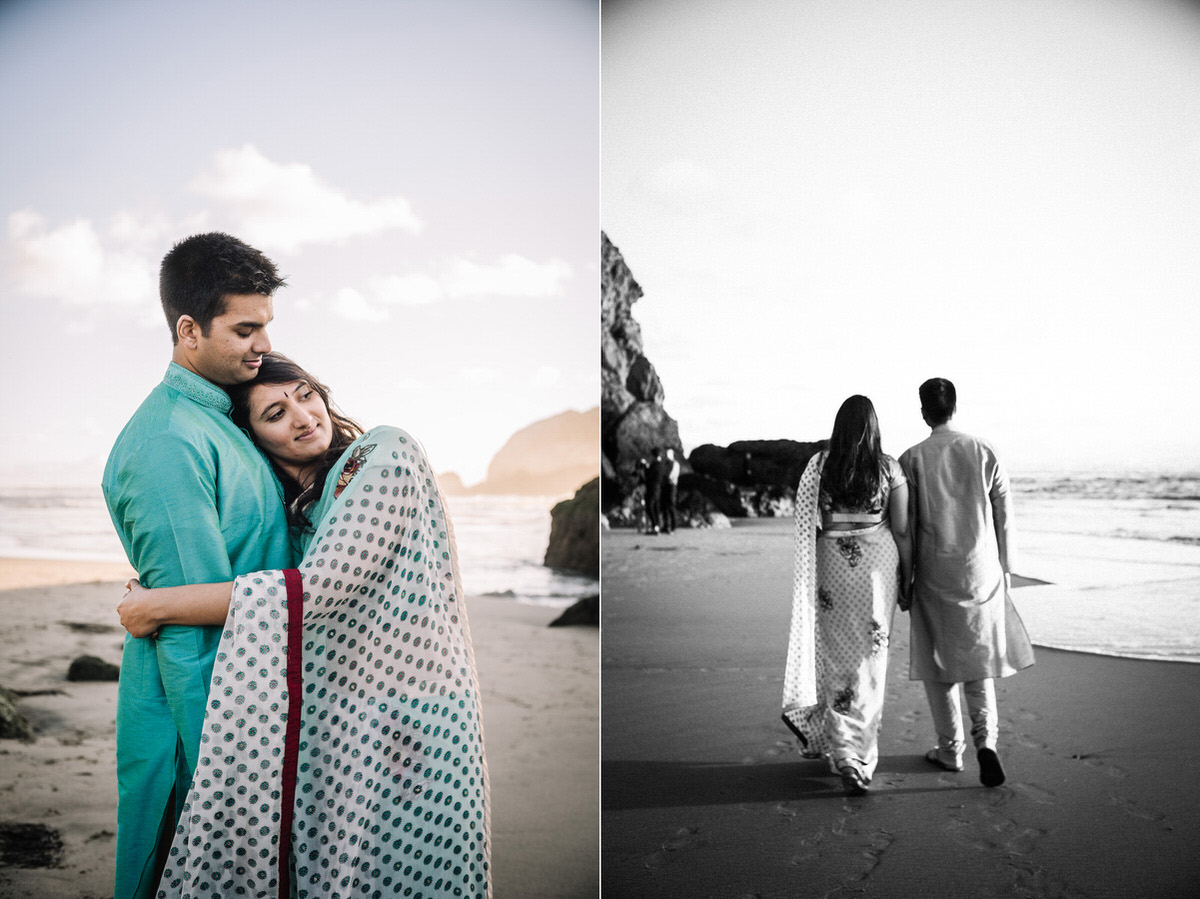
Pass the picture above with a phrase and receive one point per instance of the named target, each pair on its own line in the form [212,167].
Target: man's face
[237,339]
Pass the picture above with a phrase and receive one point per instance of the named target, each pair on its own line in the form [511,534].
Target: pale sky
[828,198]
[423,171]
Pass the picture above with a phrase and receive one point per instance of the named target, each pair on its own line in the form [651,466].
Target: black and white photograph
[899,309]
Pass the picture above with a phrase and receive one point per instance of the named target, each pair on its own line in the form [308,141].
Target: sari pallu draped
[844,594]
[391,792]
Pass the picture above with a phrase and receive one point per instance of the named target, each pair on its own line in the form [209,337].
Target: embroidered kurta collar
[195,387]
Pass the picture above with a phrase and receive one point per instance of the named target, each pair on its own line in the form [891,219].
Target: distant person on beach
[192,500]
[383,661]
[964,627]
[654,484]
[852,559]
[645,525]
[670,489]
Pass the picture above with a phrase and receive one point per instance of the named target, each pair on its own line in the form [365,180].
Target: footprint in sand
[1030,743]
[684,838]
[1035,793]
[1097,762]
[1132,808]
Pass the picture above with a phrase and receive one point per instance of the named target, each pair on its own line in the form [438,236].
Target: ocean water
[501,539]
[1121,553]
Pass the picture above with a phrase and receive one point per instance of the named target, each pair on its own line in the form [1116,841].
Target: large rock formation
[633,420]
[750,478]
[549,457]
[575,532]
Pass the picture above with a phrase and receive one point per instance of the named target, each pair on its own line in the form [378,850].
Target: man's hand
[137,611]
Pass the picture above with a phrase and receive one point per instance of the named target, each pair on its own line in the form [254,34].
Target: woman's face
[290,422]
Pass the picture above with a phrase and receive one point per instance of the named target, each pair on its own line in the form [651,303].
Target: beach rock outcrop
[575,532]
[29,845]
[634,420]
[86,668]
[13,725]
[451,483]
[552,456]
[584,613]
[750,478]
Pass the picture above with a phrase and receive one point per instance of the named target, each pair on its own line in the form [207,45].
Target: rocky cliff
[749,478]
[633,419]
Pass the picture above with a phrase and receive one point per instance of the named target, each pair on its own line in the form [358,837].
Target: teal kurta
[194,502]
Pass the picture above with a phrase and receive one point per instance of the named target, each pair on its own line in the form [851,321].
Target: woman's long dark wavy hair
[855,462]
[279,369]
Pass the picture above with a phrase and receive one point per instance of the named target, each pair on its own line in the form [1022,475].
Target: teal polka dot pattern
[391,794]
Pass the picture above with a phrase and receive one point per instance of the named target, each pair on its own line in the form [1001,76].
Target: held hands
[136,611]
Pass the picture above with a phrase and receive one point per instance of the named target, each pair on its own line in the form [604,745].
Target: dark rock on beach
[585,613]
[29,846]
[88,668]
[756,463]
[575,532]
[13,725]
[751,478]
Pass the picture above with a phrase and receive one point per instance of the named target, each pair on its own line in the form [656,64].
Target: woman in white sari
[853,558]
[342,752]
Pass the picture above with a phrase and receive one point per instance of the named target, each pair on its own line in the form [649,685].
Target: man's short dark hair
[938,401]
[202,270]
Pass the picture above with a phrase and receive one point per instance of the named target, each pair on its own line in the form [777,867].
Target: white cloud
[285,205]
[148,233]
[71,264]
[512,276]
[408,290]
[352,305]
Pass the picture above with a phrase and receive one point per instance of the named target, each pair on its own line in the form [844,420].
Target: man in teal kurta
[193,501]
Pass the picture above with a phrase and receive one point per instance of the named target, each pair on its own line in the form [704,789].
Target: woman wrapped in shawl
[342,752]
[853,561]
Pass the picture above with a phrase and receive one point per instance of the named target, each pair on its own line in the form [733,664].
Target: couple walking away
[297,712]
[931,533]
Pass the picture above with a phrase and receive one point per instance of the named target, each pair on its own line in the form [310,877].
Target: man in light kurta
[193,501]
[965,629]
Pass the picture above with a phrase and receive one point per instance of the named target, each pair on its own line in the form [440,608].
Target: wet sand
[540,696]
[705,794]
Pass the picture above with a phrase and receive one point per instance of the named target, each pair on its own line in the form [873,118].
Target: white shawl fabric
[391,789]
[801,679]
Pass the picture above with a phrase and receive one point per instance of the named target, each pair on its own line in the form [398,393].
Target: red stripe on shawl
[291,742]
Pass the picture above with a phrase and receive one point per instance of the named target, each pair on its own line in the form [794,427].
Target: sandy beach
[705,794]
[540,694]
